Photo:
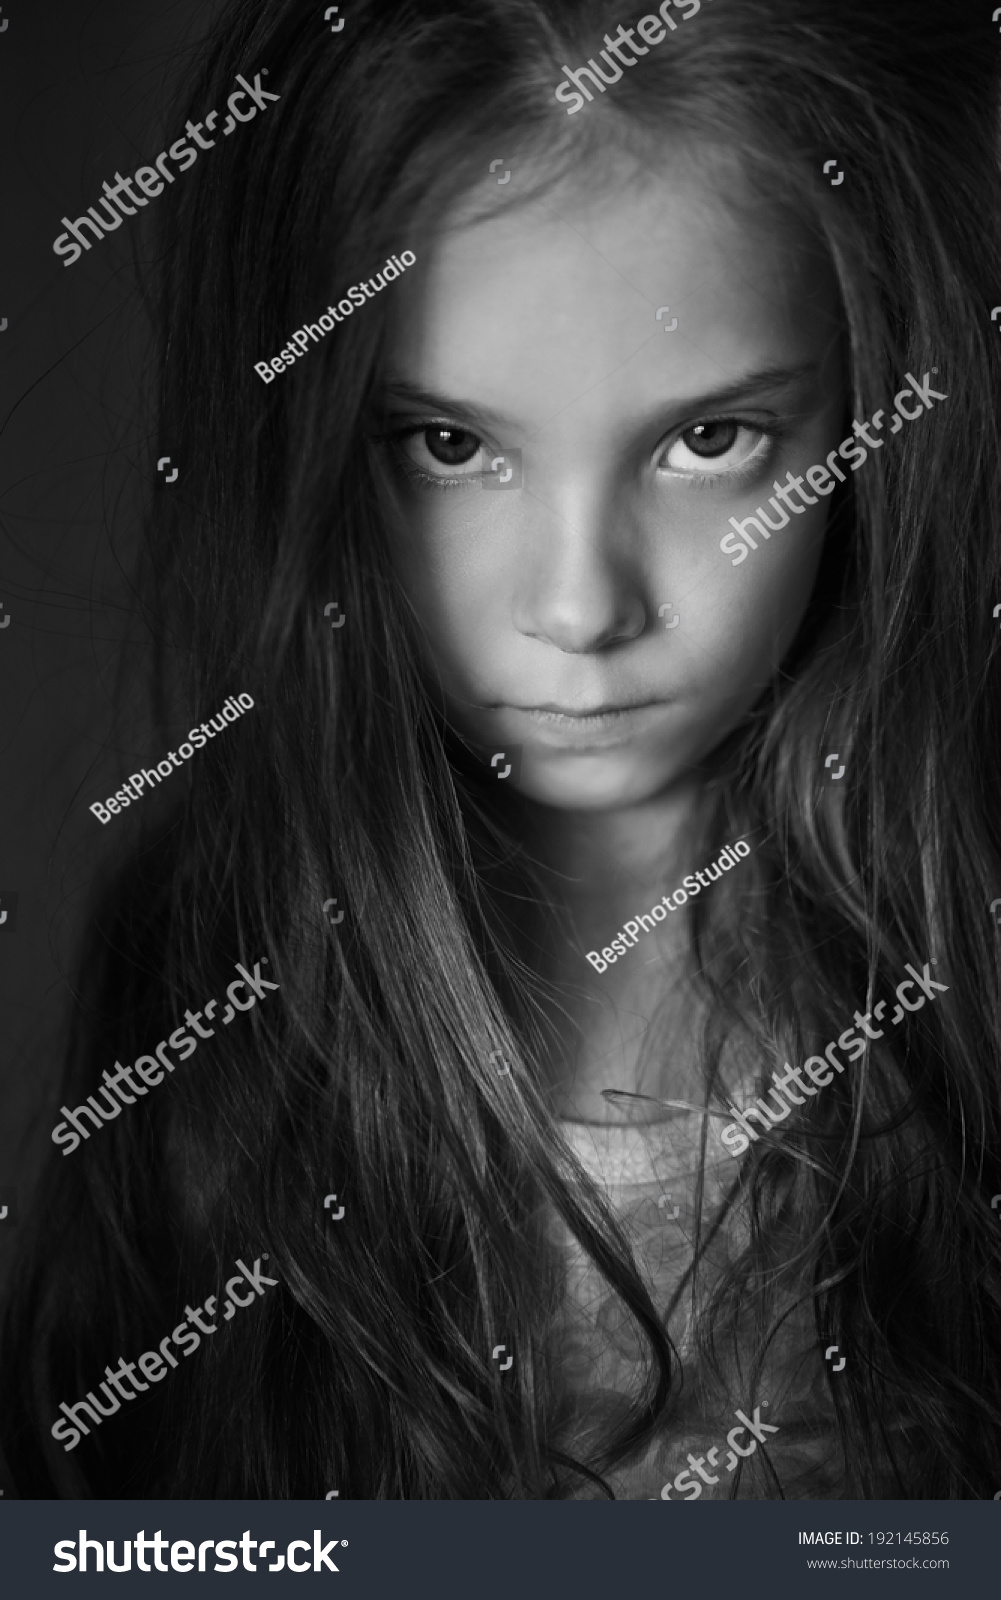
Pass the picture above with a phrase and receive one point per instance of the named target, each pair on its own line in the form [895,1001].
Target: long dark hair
[370,1074]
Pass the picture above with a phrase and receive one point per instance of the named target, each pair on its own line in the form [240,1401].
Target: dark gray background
[85,89]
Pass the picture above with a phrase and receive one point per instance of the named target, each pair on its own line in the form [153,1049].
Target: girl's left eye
[721,446]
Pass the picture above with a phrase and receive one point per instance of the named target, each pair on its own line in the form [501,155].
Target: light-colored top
[649,1172]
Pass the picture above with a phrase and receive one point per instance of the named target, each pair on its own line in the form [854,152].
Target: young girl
[613,584]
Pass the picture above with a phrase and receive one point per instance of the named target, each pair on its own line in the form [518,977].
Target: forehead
[559,292]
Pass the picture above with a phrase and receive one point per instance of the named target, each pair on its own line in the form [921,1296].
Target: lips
[610,708]
[592,726]
[602,717]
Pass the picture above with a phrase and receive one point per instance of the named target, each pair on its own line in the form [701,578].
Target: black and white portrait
[528,1027]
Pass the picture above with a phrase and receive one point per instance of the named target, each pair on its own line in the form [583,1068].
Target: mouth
[602,724]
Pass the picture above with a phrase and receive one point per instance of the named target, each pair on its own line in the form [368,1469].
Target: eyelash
[737,476]
[394,438]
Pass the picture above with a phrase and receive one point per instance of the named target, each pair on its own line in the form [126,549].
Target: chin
[589,783]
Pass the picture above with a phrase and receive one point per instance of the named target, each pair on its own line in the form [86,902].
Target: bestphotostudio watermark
[197,737]
[628,935]
[358,293]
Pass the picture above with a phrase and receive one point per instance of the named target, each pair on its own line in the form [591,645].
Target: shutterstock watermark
[356,296]
[254,988]
[650,28]
[197,737]
[73,1553]
[819,1068]
[645,922]
[820,477]
[185,155]
[156,1366]
[755,1430]
[846,1563]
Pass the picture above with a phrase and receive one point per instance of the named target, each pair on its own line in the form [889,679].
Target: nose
[579,585]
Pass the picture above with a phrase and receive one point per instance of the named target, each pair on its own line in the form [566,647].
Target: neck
[603,868]
[604,862]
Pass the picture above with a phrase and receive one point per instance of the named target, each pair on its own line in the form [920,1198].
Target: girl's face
[581,614]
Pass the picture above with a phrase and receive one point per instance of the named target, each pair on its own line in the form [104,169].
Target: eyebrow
[762,378]
[751,383]
[399,388]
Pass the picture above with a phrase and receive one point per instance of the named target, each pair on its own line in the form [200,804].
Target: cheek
[452,565]
[741,625]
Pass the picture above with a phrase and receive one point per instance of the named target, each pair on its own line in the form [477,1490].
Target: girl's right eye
[439,445]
